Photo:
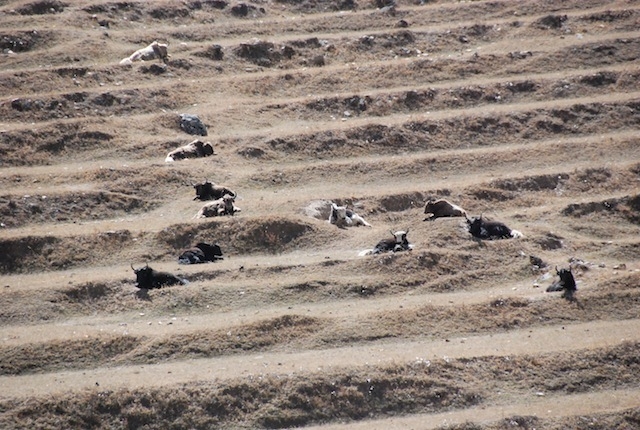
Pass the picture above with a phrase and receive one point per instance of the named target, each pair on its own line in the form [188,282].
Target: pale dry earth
[524,111]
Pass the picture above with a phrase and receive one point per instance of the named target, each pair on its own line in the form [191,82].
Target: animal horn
[392,233]
[132,267]
[407,231]
[232,193]
[557,270]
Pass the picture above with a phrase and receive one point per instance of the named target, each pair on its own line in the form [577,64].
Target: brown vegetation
[524,112]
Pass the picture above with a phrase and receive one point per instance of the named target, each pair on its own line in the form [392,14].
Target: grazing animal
[201,253]
[343,217]
[210,191]
[194,149]
[151,52]
[219,207]
[148,278]
[441,209]
[396,243]
[566,284]
[490,230]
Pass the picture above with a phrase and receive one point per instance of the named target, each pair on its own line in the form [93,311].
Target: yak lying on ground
[398,242]
[201,253]
[195,149]
[148,278]
[343,217]
[490,230]
[219,207]
[210,191]
[153,51]
[441,209]
[566,284]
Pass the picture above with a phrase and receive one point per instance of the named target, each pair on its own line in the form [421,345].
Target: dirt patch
[18,211]
[532,183]
[36,147]
[83,104]
[26,254]
[22,41]
[42,7]
[459,132]
[627,207]
[401,202]
[271,235]
[237,235]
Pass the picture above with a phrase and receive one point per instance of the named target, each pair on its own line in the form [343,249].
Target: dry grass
[525,112]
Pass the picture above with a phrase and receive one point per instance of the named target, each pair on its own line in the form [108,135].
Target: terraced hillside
[522,111]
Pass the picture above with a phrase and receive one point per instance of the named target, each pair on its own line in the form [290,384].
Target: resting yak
[154,50]
[210,191]
[343,217]
[195,149]
[490,230]
[201,253]
[566,284]
[148,278]
[396,243]
[441,209]
[220,207]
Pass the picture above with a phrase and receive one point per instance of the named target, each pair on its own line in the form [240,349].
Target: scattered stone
[191,124]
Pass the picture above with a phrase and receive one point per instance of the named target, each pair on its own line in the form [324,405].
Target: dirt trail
[529,405]
[144,324]
[518,342]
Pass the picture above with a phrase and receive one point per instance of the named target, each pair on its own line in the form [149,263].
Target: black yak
[148,278]
[210,191]
[566,284]
[201,253]
[398,242]
[490,230]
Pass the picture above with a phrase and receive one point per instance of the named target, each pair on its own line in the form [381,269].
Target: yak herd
[221,202]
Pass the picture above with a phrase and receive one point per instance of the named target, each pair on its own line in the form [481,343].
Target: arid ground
[523,111]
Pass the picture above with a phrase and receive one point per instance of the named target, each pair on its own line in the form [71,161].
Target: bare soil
[521,111]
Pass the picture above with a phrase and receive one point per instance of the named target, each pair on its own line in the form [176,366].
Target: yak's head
[475,225]
[143,275]
[228,203]
[565,275]
[428,207]
[401,237]
[339,213]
